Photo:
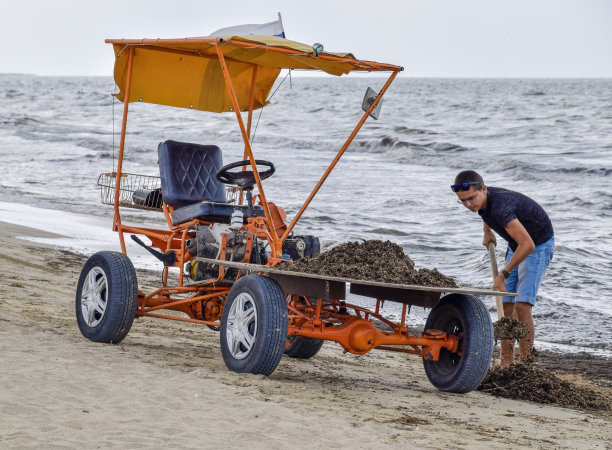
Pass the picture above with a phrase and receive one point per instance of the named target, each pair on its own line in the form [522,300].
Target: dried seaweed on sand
[527,382]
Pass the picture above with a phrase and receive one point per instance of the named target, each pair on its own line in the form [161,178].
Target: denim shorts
[527,277]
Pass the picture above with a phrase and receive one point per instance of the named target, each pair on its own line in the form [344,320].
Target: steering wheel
[244,179]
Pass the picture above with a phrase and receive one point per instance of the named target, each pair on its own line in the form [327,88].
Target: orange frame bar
[128,81]
[276,244]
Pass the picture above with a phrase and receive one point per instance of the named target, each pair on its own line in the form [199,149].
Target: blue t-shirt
[504,205]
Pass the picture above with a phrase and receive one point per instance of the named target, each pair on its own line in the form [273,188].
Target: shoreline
[166,377]
[98,236]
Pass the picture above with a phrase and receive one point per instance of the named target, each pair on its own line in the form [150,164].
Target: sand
[166,385]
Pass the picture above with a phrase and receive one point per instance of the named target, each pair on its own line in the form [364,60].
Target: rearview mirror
[368,99]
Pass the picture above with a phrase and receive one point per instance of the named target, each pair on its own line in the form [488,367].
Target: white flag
[265,29]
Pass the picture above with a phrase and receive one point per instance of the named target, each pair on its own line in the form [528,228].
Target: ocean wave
[93,144]
[600,171]
[522,166]
[407,130]
[534,92]
[528,170]
[13,93]
[388,231]
[391,142]
[322,219]
[19,121]
[446,147]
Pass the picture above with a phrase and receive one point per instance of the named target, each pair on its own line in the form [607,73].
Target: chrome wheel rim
[241,329]
[94,297]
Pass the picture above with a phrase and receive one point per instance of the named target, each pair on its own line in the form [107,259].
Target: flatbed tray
[328,287]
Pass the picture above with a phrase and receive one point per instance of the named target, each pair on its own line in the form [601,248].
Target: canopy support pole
[277,244]
[250,118]
[128,81]
[251,104]
[337,158]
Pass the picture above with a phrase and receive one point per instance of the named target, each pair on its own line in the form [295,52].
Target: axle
[359,336]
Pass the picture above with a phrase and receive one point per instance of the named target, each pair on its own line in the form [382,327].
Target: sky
[429,38]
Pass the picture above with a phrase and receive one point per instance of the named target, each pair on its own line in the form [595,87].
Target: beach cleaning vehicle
[223,240]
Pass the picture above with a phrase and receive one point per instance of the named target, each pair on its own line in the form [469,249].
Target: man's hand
[489,236]
[499,284]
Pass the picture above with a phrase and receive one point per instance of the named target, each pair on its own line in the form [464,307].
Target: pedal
[168,258]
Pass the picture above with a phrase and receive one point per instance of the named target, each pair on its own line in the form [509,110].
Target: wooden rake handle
[498,299]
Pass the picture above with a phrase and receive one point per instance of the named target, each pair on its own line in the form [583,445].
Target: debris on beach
[373,260]
[596,369]
[508,328]
[528,382]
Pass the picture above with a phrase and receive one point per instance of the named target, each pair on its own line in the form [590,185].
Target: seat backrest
[188,173]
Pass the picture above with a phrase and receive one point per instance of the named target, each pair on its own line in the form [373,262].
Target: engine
[298,247]
[208,243]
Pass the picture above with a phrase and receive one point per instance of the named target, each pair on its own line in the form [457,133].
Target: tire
[106,297]
[302,347]
[254,325]
[456,314]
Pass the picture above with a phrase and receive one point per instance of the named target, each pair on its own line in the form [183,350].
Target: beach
[165,385]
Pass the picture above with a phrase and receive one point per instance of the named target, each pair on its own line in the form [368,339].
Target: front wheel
[466,317]
[106,297]
[254,325]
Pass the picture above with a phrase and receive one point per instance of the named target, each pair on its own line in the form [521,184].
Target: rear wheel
[303,347]
[106,297]
[254,325]
[467,318]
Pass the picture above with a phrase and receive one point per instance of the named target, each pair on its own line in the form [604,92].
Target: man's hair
[469,176]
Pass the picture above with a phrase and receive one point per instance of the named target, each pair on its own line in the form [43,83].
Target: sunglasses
[465,186]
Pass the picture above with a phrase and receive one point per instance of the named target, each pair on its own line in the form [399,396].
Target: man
[529,232]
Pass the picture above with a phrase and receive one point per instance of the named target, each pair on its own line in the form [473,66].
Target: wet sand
[166,384]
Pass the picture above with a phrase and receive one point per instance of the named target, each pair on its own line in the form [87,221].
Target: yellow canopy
[186,73]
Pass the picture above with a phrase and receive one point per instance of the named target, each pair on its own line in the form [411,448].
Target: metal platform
[334,288]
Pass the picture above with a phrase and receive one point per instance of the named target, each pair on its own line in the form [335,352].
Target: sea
[550,139]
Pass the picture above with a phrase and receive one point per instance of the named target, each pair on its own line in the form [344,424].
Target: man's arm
[489,236]
[517,231]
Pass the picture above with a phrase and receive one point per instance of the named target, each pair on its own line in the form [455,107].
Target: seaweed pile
[508,328]
[527,382]
[373,260]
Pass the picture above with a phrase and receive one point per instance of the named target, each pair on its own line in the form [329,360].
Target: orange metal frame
[202,302]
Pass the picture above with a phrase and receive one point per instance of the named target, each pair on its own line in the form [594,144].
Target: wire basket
[135,191]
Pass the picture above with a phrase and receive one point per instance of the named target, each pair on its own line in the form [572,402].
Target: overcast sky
[430,38]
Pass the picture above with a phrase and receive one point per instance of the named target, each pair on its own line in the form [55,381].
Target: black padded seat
[211,211]
[189,183]
[188,173]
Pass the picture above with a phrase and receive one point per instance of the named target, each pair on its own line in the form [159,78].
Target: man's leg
[507,345]
[530,274]
[523,311]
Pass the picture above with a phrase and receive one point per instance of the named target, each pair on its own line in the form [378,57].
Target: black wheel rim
[449,361]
